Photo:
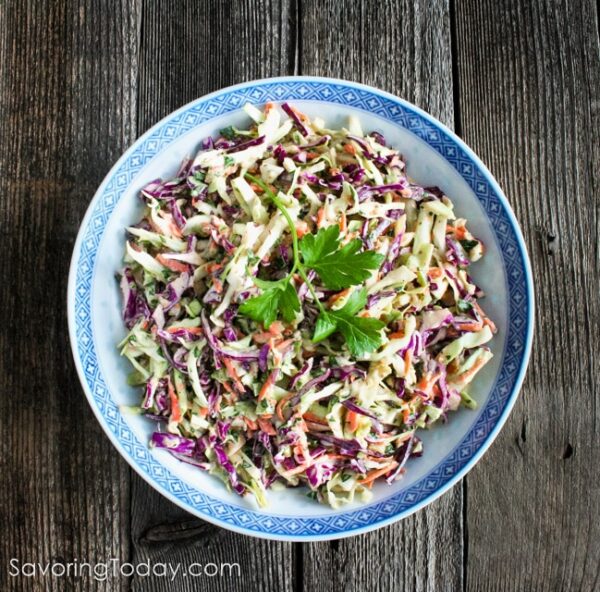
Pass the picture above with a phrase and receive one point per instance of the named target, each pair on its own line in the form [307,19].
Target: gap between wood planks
[458,131]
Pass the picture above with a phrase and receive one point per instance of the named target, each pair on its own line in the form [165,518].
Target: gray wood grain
[188,50]
[529,75]
[67,98]
[405,48]
[80,80]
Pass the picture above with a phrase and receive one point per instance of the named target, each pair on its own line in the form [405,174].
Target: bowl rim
[520,373]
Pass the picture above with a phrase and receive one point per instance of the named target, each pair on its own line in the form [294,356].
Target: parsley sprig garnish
[338,267]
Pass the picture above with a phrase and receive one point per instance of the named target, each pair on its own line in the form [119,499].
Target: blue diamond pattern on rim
[399,113]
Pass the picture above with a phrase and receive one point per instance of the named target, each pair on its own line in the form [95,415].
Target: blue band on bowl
[509,238]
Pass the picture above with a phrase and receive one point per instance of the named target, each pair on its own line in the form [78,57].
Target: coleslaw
[298,308]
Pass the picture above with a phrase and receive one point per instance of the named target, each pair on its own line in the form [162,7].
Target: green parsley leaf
[467,245]
[315,246]
[262,308]
[197,177]
[463,306]
[362,334]
[228,161]
[337,267]
[326,325]
[266,284]
[355,302]
[289,304]
[229,133]
[277,298]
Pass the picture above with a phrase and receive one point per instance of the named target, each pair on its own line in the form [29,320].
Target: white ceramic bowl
[435,156]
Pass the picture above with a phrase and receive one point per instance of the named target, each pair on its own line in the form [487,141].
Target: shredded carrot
[281,347]
[298,469]
[175,408]
[231,372]
[203,411]
[252,425]
[349,148]
[217,285]
[486,320]
[276,328]
[343,222]
[320,217]
[434,272]
[172,264]
[474,326]
[375,474]
[331,456]
[396,335]
[311,155]
[427,384]
[212,267]
[462,379]
[175,230]
[281,404]
[278,349]
[407,359]
[192,330]
[337,296]
[267,427]
[227,387]
[423,384]
[267,386]
[298,450]
[301,228]
[352,420]
[310,416]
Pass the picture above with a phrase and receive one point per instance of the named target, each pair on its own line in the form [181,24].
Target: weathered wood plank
[529,75]
[67,91]
[188,50]
[192,48]
[402,47]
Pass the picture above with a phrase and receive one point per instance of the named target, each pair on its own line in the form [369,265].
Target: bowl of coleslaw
[301,308]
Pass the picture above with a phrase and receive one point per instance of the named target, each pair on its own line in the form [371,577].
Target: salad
[298,308]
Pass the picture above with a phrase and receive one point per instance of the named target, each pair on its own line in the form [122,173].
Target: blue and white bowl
[435,156]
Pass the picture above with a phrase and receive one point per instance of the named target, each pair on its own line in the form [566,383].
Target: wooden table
[518,80]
